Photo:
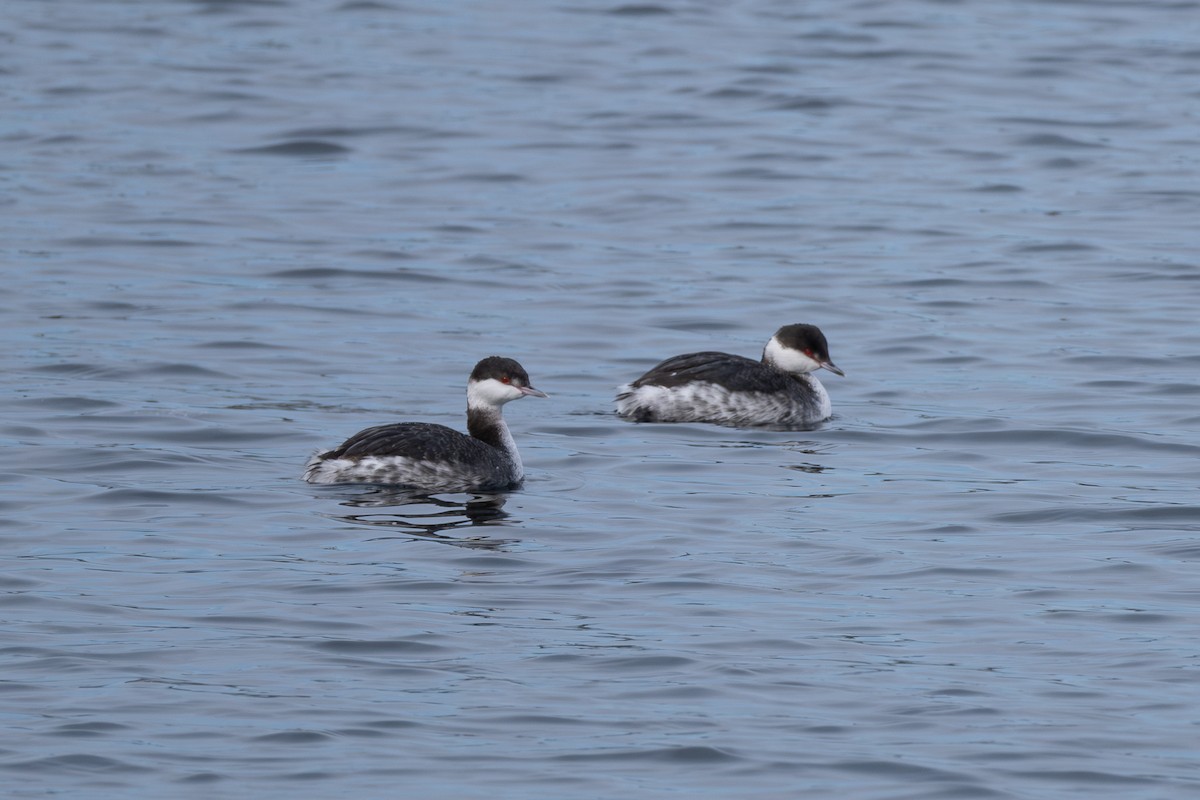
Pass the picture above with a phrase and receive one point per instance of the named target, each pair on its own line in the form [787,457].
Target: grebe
[733,390]
[432,457]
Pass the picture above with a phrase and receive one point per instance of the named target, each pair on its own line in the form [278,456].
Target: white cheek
[790,360]
[491,392]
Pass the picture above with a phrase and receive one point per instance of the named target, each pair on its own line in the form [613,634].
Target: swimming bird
[726,389]
[434,458]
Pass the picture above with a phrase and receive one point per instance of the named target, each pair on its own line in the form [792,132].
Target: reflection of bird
[431,518]
[733,390]
[431,457]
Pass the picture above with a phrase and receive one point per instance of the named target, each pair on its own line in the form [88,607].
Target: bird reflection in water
[430,517]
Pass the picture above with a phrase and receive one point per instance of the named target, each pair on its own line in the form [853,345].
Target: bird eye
[808,352]
[506,379]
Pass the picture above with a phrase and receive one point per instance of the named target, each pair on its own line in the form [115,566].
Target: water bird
[429,457]
[726,389]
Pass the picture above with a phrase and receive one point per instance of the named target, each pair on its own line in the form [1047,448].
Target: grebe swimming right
[733,390]
[431,457]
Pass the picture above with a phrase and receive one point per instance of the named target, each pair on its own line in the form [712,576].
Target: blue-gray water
[236,232]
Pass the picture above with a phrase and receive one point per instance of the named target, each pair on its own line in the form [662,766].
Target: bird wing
[416,440]
[738,373]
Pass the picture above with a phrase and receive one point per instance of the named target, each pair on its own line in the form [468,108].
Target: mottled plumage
[434,458]
[728,389]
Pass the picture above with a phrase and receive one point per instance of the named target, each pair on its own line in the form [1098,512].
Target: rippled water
[235,232]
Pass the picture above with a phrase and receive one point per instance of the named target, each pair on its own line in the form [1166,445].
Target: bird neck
[487,425]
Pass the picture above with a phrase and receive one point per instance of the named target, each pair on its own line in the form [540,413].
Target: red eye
[808,352]
[506,379]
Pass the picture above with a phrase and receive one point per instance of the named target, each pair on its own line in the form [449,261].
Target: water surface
[234,233]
